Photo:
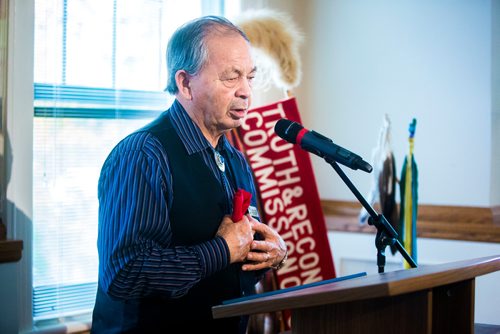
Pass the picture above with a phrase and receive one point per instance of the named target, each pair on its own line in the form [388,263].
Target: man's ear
[182,80]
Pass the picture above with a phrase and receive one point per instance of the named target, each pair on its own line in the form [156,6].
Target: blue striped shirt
[136,254]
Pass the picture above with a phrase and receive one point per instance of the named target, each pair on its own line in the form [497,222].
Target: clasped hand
[256,254]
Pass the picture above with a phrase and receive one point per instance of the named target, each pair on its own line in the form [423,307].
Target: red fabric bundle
[241,202]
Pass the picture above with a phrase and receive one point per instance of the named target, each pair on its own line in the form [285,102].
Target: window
[99,75]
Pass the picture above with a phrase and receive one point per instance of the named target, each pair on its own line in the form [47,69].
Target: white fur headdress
[276,36]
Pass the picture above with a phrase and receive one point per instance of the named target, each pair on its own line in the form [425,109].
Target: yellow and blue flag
[409,200]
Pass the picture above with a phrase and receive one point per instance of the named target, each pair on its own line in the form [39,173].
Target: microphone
[318,144]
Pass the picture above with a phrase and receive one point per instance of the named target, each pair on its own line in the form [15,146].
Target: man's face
[221,91]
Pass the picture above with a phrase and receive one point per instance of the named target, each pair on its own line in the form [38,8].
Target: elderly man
[168,247]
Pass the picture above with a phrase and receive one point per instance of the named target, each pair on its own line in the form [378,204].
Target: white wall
[431,60]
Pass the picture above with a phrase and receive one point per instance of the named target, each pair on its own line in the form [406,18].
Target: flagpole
[386,234]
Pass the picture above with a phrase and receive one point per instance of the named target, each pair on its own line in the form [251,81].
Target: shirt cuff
[214,256]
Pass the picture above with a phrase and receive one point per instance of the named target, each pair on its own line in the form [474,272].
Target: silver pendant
[219,160]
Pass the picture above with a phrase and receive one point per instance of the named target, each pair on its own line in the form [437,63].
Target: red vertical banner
[288,195]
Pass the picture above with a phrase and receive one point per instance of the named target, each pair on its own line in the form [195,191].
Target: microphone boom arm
[386,235]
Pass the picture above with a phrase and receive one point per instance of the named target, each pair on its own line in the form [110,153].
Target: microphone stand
[386,234]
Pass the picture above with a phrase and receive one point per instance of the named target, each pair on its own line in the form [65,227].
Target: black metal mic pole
[386,235]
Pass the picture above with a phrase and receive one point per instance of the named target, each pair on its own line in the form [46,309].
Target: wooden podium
[427,299]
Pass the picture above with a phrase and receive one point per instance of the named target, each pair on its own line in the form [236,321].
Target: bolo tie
[221,164]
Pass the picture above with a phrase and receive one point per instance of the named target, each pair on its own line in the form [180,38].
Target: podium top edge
[366,287]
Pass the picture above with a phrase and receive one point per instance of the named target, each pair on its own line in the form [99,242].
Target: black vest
[198,208]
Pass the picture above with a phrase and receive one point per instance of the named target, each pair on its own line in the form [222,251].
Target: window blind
[68,154]
[99,75]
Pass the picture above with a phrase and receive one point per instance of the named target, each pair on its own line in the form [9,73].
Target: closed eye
[231,79]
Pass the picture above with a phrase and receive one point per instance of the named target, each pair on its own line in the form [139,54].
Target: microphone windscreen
[288,130]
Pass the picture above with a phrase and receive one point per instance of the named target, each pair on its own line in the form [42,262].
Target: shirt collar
[190,134]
